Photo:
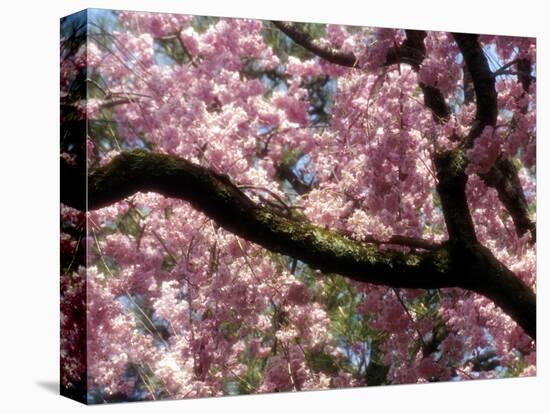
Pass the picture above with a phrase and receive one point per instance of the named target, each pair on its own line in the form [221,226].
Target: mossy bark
[460,262]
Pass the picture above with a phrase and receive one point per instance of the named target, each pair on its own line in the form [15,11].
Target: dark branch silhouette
[451,264]
[305,40]
[503,175]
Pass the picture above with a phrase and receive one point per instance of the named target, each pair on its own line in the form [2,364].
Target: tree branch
[450,265]
[524,73]
[411,242]
[413,48]
[503,175]
[411,52]
[217,197]
[468,86]
[451,187]
[307,42]
[482,77]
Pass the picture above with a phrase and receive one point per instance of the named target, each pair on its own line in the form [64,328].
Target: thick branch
[224,202]
[507,291]
[482,77]
[411,242]
[503,175]
[448,265]
[451,187]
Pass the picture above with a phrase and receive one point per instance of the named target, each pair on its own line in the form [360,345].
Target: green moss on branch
[446,265]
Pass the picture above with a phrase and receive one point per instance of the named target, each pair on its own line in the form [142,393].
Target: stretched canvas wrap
[258,206]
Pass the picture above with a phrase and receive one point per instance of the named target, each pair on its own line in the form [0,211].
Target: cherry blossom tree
[253,206]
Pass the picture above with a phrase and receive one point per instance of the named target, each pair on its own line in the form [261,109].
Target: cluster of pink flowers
[441,52]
